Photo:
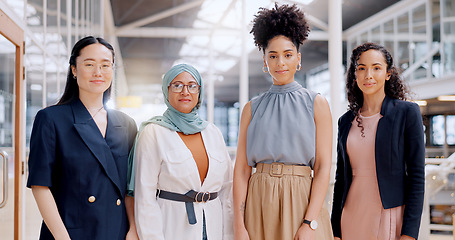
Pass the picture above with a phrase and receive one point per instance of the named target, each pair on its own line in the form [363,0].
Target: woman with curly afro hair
[285,133]
[380,176]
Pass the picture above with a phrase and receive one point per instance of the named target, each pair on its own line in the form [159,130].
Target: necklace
[97,111]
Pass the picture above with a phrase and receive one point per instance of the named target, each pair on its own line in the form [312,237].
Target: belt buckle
[276,169]
[204,194]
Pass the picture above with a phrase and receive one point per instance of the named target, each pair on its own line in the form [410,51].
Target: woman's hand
[305,233]
[132,234]
[48,209]
[241,234]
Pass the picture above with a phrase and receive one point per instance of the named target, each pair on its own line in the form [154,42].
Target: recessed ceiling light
[446,98]
[421,102]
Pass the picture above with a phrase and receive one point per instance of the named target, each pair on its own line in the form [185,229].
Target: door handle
[5,178]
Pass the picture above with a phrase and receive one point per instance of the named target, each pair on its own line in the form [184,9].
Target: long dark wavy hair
[71,88]
[393,88]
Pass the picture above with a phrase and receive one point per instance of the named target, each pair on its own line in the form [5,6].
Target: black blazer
[400,163]
[85,172]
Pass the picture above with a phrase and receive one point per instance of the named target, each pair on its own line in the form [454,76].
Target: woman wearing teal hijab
[181,171]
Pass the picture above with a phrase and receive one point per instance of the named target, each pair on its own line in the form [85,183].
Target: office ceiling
[153,35]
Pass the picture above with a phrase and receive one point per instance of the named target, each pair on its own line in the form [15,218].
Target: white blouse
[162,161]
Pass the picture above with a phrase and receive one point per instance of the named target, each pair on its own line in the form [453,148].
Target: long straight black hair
[71,88]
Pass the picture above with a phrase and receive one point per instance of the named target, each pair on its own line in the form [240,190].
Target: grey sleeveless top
[282,126]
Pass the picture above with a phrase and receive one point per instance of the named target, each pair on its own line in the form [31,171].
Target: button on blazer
[85,172]
[400,163]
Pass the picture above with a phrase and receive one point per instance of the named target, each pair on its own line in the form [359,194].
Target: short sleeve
[131,165]
[42,151]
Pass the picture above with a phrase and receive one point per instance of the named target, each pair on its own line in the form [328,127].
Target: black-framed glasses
[178,87]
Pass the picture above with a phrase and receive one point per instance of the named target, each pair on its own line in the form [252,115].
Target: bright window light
[421,102]
[446,98]
[36,87]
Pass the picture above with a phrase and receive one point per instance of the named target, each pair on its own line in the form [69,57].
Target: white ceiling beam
[226,12]
[159,16]
[317,22]
[318,36]
[171,32]
[120,85]
[386,14]
[108,20]
[433,87]
[312,19]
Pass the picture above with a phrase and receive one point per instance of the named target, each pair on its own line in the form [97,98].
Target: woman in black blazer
[79,153]
[386,202]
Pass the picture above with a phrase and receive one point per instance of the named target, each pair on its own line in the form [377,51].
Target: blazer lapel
[344,128]
[116,139]
[90,134]
[384,133]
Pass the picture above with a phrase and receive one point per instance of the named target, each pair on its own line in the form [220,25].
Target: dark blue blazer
[400,163]
[69,155]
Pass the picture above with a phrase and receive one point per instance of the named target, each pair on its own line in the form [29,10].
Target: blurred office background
[150,36]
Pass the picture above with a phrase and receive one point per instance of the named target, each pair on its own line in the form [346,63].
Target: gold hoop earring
[265,69]
[299,67]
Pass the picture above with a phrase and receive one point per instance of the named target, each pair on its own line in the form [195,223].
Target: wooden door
[12,122]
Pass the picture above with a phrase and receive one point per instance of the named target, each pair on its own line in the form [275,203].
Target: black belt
[189,197]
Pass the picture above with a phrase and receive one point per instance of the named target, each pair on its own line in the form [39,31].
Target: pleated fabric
[276,206]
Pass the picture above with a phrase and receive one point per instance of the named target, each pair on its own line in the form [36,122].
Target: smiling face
[183,101]
[93,69]
[371,73]
[281,58]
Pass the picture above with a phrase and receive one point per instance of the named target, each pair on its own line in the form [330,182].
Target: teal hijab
[187,123]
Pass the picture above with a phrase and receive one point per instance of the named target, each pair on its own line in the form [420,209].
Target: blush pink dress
[364,217]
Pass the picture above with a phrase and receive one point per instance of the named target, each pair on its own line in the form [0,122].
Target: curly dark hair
[285,20]
[394,87]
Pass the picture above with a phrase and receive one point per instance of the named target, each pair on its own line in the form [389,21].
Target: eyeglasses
[92,67]
[178,87]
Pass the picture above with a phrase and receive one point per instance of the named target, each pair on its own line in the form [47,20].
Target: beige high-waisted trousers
[277,201]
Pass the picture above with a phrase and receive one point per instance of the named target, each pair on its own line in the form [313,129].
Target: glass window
[389,46]
[220,119]
[403,23]
[388,28]
[34,15]
[376,35]
[52,93]
[449,8]
[419,20]
[353,44]
[451,130]
[449,47]
[233,125]
[364,37]
[33,63]
[7,95]
[52,20]
[403,55]
[437,130]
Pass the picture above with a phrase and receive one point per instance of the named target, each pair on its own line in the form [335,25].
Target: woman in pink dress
[380,176]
